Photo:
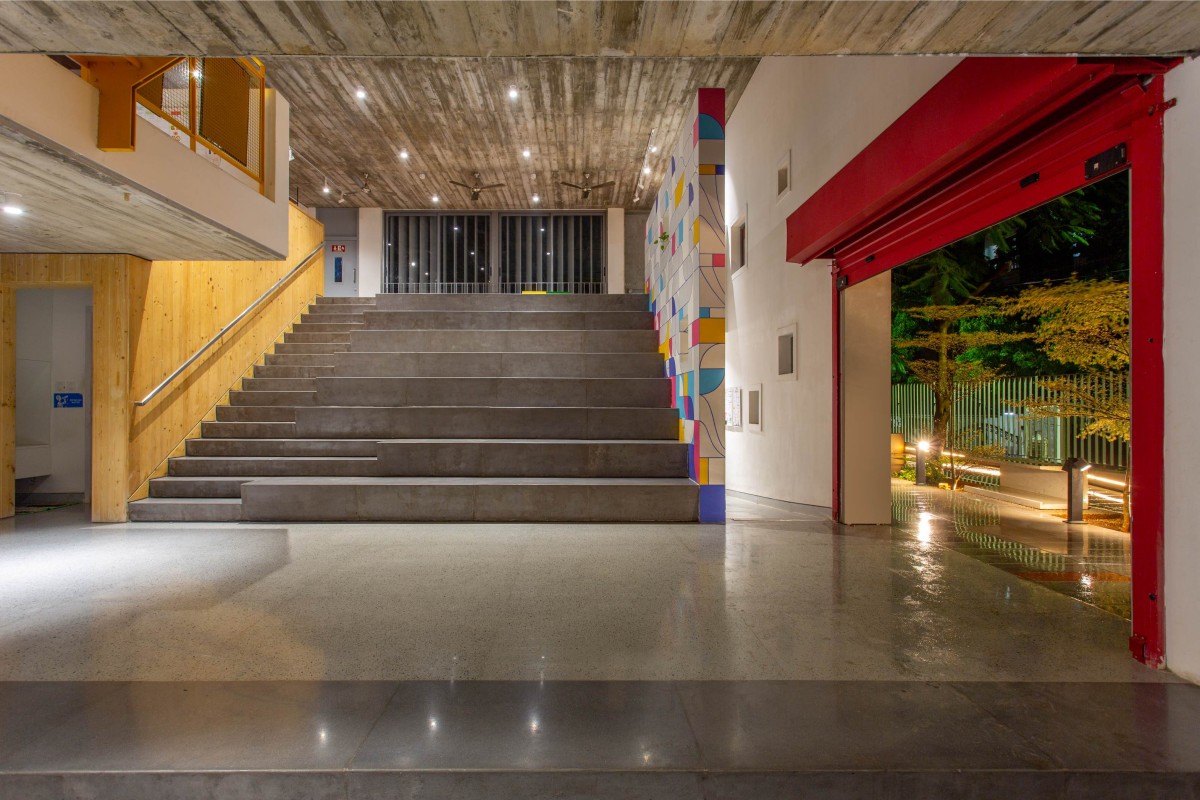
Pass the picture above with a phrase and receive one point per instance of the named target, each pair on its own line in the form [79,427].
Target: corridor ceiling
[593,79]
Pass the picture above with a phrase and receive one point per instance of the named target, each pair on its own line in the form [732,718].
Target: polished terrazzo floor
[775,594]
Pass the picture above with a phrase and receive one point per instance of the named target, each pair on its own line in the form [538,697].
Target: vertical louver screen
[552,253]
[451,253]
[446,253]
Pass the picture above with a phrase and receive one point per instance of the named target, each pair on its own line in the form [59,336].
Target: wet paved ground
[777,656]
[1086,562]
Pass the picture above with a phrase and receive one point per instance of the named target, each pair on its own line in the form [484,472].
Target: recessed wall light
[513,94]
[404,154]
[361,94]
[526,152]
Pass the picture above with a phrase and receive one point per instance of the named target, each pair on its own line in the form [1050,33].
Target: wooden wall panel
[147,319]
[8,398]
[177,306]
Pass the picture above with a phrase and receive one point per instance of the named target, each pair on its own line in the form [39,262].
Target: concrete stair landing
[444,408]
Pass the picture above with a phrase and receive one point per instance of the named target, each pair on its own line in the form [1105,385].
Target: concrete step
[276,371]
[478,499]
[317,338]
[497,365]
[343,301]
[224,467]
[432,422]
[564,458]
[164,509]
[257,384]
[326,327]
[300,359]
[1042,502]
[286,448]
[492,392]
[509,320]
[299,348]
[256,414]
[222,429]
[502,341]
[194,486]
[324,317]
[512,302]
[254,398]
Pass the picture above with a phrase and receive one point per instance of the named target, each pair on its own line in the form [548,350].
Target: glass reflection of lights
[535,726]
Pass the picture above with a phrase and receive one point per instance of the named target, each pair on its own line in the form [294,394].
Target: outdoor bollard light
[922,449]
[1076,469]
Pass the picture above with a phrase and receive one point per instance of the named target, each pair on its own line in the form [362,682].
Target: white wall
[54,355]
[825,110]
[159,164]
[370,251]
[615,250]
[1181,342]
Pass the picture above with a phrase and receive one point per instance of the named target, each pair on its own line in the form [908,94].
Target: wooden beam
[8,400]
[117,78]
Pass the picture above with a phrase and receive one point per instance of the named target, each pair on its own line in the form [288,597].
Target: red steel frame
[990,134]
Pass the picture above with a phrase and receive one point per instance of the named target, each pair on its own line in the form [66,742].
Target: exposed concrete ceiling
[454,118]
[635,28]
[75,206]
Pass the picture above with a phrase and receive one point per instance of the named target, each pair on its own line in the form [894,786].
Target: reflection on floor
[473,662]
[1085,562]
[772,595]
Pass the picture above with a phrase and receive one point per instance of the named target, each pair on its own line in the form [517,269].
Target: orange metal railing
[215,106]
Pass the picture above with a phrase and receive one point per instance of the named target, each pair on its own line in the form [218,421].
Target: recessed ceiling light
[361,94]
[653,148]
[436,199]
[646,170]
[15,211]
[537,199]
[526,152]
[513,94]
[404,154]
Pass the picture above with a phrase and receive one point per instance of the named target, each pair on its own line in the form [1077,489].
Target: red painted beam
[963,115]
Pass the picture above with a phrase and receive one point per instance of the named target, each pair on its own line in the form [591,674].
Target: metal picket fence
[996,411]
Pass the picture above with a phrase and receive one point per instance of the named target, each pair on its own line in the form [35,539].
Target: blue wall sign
[68,400]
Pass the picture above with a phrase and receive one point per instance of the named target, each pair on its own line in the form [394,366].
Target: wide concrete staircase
[444,408]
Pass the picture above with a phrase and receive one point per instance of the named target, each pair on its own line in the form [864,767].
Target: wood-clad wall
[148,318]
[177,306]
[107,275]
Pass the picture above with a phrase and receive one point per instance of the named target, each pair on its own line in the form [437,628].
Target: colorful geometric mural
[686,284]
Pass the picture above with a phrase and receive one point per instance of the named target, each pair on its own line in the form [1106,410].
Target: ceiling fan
[477,188]
[587,187]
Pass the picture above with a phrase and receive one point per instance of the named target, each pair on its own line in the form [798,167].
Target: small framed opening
[737,245]
[786,352]
[754,407]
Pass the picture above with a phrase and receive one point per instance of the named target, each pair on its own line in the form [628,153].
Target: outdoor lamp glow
[922,449]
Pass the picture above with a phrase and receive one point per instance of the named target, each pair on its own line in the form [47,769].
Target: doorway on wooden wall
[53,398]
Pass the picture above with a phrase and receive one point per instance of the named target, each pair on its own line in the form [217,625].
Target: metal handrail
[303,263]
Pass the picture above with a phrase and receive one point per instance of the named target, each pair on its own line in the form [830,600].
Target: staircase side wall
[686,283]
[177,306]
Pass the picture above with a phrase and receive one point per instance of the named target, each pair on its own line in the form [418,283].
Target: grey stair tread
[666,442]
[363,480]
